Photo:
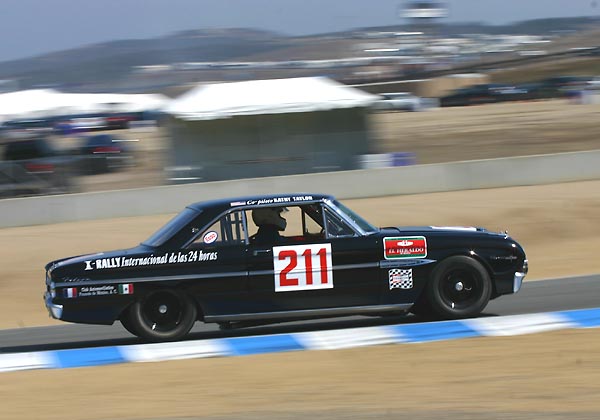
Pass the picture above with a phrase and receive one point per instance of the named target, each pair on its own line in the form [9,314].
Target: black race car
[275,258]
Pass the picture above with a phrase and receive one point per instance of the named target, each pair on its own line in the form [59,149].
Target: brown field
[489,131]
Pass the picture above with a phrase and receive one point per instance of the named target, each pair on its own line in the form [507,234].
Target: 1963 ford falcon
[282,257]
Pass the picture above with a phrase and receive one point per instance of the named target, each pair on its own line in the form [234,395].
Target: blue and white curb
[316,340]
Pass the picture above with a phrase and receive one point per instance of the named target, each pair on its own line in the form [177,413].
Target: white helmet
[269,216]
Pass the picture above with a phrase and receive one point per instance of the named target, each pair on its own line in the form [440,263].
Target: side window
[228,230]
[292,216]
[335,226]
[271,225]
[312,220]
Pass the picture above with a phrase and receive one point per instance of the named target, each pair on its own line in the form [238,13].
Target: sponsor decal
[70,292]
[277,200]
[400,279]
[107,290]
[97,290]
[126,289]
[151,260]
[210,237]
[74,292]
[302,267]
[404,247]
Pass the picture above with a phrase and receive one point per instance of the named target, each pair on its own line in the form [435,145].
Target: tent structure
[44,103]
[267,127]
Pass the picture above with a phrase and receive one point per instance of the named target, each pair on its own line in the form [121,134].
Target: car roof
[262,200]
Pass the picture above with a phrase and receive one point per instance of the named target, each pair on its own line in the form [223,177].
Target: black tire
[162,315]
[127,324]
[460,287]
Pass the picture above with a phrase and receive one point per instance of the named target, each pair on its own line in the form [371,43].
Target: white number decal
[302,267]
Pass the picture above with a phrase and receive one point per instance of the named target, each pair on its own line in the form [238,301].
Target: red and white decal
[302,267]
[210,237]
[404,247]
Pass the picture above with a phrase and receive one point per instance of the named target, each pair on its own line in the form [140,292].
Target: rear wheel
[460,287]
[162,315]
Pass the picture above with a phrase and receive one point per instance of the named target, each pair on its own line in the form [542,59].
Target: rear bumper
[55,311]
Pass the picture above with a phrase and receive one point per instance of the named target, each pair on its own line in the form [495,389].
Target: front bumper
[518,281]
[519,276]
[55,311]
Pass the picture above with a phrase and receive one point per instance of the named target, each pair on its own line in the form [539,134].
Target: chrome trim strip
[335,267]
[152,279]
[404,263]
[352,310]
[195,276]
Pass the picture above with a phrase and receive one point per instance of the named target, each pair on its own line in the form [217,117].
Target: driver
[269,222]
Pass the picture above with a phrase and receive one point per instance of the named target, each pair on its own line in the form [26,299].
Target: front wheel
[162,315]
[460,287]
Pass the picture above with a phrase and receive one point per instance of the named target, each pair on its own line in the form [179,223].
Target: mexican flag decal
[404,247]
[126,289]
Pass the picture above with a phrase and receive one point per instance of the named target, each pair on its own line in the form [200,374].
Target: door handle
[258,252]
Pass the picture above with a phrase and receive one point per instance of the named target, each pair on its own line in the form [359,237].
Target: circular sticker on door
[210,237]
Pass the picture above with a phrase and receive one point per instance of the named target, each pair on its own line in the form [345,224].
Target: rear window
[101,140]
[27,149]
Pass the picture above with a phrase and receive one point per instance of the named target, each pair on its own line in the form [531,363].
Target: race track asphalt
[539,296]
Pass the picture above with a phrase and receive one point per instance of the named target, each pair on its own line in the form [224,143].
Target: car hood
[81,262]
[464,231]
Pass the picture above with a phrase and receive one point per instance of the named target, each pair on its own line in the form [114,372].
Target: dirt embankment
[489,131]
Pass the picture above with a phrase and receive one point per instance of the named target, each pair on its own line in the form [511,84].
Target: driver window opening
[285,225]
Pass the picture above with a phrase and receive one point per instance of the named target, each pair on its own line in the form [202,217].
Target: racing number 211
[302,267]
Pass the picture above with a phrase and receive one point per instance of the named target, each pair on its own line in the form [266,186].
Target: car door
[323,269]
[216,261]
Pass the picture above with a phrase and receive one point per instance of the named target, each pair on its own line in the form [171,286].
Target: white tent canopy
[42,103]
[277,96]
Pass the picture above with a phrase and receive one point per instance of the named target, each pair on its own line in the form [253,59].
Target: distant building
[423,15]
[267,128]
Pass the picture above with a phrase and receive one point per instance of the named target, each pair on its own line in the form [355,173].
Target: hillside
[110,63]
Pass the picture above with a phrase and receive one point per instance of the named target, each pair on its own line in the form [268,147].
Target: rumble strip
[317,340]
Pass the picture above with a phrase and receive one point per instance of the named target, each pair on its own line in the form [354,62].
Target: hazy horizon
[64,24]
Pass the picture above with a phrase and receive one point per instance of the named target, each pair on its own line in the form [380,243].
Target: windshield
[359,221]
[162,235]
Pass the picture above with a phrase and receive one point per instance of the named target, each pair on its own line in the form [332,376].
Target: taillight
[39,167]
[106,149]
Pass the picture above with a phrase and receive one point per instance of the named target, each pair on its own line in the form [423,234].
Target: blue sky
[31,27]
